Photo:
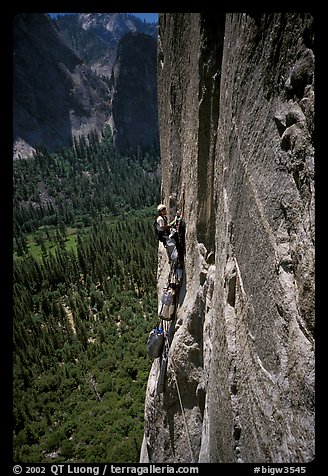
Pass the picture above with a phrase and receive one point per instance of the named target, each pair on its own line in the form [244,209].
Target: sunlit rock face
[236,116]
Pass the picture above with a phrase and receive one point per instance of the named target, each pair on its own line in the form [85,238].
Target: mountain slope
[55,94]
[58,93]
[95,36]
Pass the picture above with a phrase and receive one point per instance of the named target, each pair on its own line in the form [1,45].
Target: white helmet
[161,207]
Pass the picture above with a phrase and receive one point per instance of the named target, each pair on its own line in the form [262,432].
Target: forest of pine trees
[84,302]
[74,185]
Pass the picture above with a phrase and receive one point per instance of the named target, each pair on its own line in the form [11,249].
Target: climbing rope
[182,203]
[182,409]
[183,414]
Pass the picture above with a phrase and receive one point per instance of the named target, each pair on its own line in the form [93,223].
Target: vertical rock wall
[236,113]
[134,118]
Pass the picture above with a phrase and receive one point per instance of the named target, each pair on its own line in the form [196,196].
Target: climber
[162,226]
[178,228]
[176,221]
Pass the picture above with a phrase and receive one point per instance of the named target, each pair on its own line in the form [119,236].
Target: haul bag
[155,342]
[172,249]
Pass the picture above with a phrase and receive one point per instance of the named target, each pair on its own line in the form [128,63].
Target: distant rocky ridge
[95,36]
[57,96]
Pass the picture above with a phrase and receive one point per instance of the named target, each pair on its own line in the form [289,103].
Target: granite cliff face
[134,118]
[236,115]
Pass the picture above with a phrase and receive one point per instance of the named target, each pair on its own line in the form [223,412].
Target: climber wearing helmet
[162,226]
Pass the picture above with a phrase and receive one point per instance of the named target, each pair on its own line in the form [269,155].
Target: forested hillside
[84,302]
[72,186]
[85,43]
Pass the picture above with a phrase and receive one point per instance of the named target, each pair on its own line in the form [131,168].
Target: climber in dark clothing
[179,236]
[177,220]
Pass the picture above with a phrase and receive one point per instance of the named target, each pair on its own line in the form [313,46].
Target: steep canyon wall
[236,115]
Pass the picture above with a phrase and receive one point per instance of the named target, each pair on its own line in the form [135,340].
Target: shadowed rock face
[55,95]
[236,115]
[134,93]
